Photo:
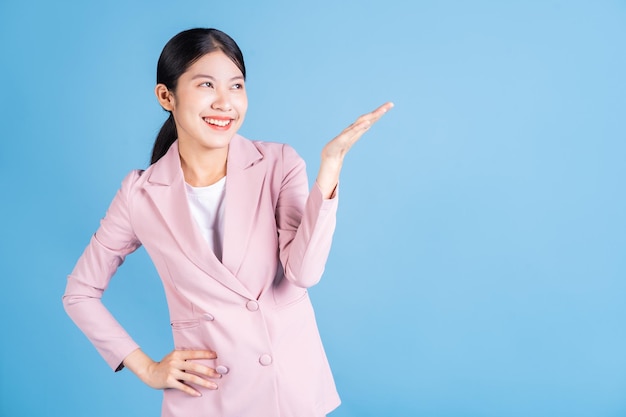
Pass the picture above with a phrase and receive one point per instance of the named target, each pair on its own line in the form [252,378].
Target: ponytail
[167,135]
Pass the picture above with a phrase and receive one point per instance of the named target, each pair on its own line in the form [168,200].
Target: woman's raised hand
[340,145]
[175,370]
[335,150]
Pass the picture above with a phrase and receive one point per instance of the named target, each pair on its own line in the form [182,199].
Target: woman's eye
[237,86]
[207,84]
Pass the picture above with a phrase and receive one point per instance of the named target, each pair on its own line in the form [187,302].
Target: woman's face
[209,103]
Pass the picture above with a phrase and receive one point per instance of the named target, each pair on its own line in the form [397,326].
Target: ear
[165,97]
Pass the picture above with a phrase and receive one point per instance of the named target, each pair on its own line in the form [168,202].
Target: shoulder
[132,178]
[277,152]
[132,182]
[281,160]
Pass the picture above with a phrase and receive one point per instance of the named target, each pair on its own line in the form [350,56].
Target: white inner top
[207,209]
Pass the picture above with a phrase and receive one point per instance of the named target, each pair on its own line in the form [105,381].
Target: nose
[222,101]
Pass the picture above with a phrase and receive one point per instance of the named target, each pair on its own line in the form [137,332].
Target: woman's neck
[202,168]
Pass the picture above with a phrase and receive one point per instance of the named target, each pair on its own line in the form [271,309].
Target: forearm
[304,258]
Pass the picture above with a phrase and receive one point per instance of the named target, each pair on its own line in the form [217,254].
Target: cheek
[242,106]
[194,109]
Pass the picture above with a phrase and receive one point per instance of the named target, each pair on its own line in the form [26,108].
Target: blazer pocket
[184,324]
[188,334]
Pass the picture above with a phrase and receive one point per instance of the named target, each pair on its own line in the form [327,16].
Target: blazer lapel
[245,175]
[166,187]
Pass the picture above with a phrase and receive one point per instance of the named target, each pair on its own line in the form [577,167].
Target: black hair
[180,52]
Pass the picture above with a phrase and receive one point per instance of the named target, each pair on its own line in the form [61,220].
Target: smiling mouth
[218,122]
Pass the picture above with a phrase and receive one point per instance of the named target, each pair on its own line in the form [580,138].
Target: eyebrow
[195,77]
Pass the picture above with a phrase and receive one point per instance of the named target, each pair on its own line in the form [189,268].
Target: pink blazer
[276,233]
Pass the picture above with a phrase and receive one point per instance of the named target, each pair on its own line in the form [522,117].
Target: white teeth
[215,122]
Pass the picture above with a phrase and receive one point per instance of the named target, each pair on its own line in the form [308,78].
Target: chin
[217,143]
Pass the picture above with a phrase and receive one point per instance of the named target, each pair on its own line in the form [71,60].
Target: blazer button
[265,360]
[252,305]
[221,369]
[208,317]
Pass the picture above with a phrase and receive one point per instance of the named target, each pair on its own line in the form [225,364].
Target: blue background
[479,265]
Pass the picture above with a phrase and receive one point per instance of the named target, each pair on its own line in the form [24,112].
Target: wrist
[139,363]
[332,160]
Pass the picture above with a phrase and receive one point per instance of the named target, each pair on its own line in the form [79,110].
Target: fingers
[179,385]
[194,354]
[353,132]
[365,121]
[337,148]
[199,369]
[180,379]
[182,371]
[372,117]
[383,109]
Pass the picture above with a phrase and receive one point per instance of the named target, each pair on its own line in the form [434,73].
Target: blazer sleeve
[106,251]
[306,223]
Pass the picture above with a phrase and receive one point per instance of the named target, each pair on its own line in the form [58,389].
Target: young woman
[236,237]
